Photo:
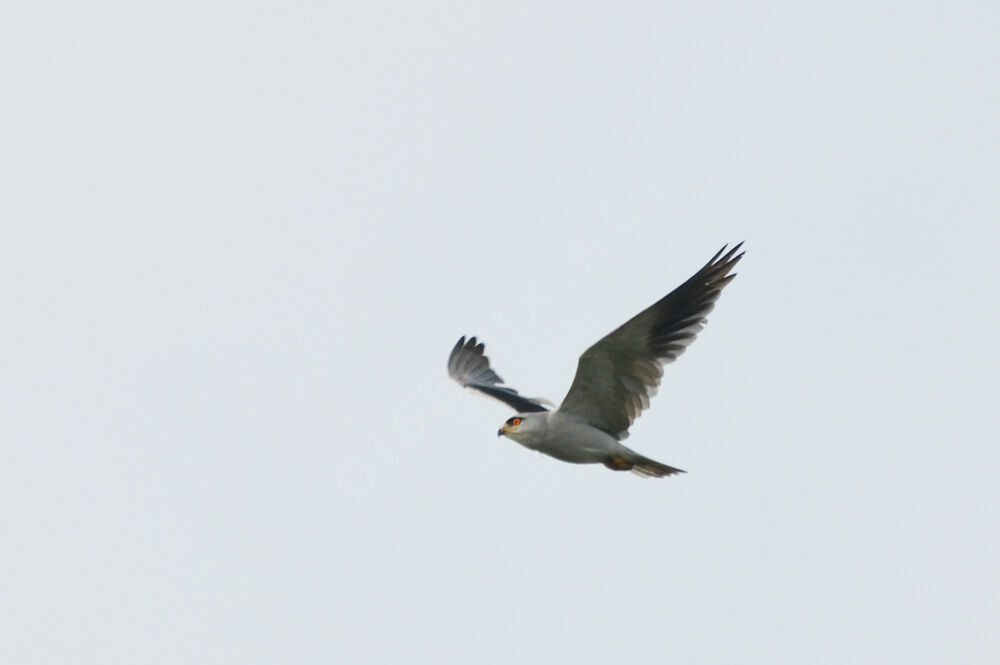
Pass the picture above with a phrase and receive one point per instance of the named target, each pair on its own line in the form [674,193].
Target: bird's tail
[629,460]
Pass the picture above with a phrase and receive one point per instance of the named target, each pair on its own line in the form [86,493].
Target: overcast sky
[239,240]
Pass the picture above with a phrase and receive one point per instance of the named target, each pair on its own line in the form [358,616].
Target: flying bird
[615,378]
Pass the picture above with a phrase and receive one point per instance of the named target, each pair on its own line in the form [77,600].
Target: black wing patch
[471,368]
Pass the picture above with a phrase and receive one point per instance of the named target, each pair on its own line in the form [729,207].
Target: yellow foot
[618,463]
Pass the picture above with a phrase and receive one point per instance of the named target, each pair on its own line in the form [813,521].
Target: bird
[615,378]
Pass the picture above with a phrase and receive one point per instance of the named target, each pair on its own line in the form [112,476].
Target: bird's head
[523,426]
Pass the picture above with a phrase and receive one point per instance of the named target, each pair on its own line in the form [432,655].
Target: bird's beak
[502,430]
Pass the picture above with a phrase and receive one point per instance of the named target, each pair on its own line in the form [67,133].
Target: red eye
[515,421]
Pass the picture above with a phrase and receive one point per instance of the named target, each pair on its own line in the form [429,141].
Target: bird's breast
[572,441]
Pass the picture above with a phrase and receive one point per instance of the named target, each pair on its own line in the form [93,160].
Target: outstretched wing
[617,376]
[471,368]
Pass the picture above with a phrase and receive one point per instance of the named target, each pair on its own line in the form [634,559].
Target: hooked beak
[501,431]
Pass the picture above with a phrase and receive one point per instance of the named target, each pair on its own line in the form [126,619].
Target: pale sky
[240,239]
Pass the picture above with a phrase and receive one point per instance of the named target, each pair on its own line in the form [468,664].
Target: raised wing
[617,376]
[471,369]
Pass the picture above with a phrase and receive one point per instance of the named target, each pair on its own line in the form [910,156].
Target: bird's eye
[515,421]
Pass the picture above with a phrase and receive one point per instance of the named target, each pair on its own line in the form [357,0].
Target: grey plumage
[615,378]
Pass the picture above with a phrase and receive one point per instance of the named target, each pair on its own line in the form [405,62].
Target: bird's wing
[616,377]
[471,368]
